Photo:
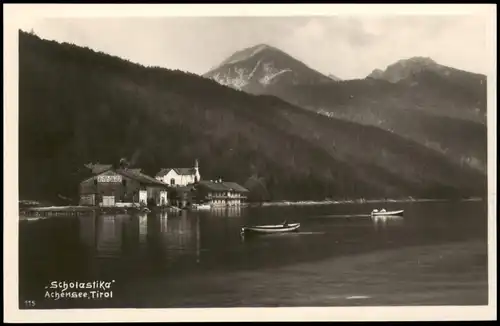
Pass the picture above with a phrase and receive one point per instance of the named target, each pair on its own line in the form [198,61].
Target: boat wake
[357,297]
[300,233]
[349,297]
[293,234]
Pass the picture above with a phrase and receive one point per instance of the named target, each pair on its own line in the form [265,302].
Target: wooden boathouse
[122,187]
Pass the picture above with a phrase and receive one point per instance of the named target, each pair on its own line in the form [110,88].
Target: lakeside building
[110,187]
[179,177]
[220,193]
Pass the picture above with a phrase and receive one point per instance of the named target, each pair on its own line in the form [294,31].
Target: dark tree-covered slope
[79,106]
[441,108]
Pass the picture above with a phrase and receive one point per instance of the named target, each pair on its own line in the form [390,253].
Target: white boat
[383,212]
[265,229]
[201,206]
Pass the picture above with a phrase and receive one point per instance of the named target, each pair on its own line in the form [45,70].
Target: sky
[347,46]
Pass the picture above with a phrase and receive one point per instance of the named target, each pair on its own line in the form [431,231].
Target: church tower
[196,171]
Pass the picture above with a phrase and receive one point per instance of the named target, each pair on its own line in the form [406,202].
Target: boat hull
[270,229]
[391,213]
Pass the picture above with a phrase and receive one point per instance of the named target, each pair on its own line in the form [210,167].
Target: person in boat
[285,223]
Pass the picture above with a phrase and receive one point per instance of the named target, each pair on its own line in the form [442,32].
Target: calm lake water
[435,254]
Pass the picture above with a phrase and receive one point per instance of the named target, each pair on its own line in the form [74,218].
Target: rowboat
[383,212]
[267,229]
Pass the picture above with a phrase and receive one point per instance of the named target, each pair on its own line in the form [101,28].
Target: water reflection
[167,236]
[131,235]
[183,239]
[87,225]
[149,247]
[234,211]
[109,234]
[143,227]
[180,236]
[177,213]
[383,222]
[198,247]
[163,221]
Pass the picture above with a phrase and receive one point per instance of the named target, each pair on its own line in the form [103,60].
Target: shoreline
[357,201]
[268,204]
[42,212]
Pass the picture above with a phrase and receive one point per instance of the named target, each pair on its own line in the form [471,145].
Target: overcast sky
[346,46]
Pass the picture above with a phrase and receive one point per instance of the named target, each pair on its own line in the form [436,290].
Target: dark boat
[267,229]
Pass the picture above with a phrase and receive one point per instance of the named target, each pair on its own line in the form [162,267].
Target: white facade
[174,179]
[163,198]
[143,196]
[108,201]
[228,198]
[180,177]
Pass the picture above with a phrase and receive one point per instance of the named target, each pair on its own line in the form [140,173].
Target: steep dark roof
[222,186]
[214,186]
[162,172]
[179,171]
[141,177]
[236,187]
[134,174]
[98,168]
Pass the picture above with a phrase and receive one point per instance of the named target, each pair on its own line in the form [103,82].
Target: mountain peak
[414,63]
[418,60]
[258,67]
[405,68]
[263,46]
[246,53]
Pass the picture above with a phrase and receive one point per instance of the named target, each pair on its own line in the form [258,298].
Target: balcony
[225,197]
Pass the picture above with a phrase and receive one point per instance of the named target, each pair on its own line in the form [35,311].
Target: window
[172,181]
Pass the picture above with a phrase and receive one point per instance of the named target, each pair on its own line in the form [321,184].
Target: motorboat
[267,229]
[383,212]
[201,206]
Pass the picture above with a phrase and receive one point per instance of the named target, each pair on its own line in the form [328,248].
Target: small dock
[56,211]
[53,211]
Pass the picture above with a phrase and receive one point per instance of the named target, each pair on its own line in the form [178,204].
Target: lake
[435,255]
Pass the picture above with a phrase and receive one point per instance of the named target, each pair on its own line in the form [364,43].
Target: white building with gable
[179,176]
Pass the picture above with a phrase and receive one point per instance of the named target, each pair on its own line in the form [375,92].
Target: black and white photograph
[256,157]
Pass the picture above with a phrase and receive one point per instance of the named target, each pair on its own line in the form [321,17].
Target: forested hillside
[440,107]
[448,117]
[78,106]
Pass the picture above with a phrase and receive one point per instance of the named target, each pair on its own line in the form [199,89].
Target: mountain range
[439,107]
[78,106]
